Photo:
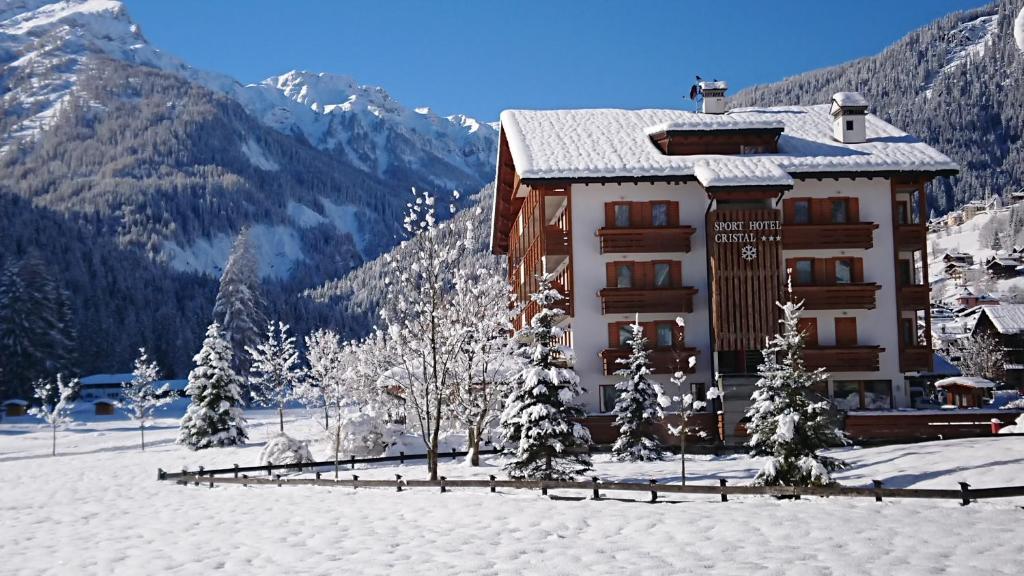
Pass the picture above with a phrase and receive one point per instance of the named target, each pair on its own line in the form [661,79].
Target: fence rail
[965,494]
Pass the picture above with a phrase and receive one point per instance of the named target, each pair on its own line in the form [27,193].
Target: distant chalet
[699,215]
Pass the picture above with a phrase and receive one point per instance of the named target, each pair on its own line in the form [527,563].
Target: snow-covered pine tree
[54,403]
[214,417]
[640,404]
[238,308]
[786,425]
[275,370]
[141,396]
[540,425]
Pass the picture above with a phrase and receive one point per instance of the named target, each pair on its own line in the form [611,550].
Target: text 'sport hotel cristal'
[669,213]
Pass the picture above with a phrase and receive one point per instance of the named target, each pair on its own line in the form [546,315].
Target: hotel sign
[747,232]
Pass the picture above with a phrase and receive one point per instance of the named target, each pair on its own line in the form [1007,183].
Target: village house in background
[667,213]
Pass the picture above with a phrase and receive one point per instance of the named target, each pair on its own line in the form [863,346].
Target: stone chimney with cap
[714,96]
[848,111]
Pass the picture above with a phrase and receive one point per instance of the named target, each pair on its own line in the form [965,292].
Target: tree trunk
[432,463]
[474,446]
[327,418]
[280,417]
[682,453]
[142,430]
[54,452]
[337,447]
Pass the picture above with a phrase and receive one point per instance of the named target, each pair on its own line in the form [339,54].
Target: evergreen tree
[639,406]
[214,417]
[276,372]
[141,396]
[787,426]
[540,423]
[239,306]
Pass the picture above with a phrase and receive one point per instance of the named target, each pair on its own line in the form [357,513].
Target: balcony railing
[916,359]
[911,236]
[914,297]
[663,361]
[556,241]
[837,297]
[634,300]
[656,239]
[843,358]
[827,236]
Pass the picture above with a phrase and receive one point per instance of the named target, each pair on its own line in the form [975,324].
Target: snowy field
[97,508]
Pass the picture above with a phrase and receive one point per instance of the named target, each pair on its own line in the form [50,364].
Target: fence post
[355,481]
[878,486]
[351,462]
[725,495]
[278,478]
[245,477]
[200,473]
[443,488]
[269,471]
[211,480]
[160,474]
[965,495]
[492,478]
[318,475]
[543,489]
[398,482]
[453,454]
[594,480]
[236,470]
[654,493]
[401,457]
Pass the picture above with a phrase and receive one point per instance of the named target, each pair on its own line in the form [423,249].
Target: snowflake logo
[748,252]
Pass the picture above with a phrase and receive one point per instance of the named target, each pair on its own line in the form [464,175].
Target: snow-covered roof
[14,401]
[605,143]
[850,100]
[1006,318]
[100,379]
[967,381]
[965,292]
[741,171]
[713,85]
[715,122]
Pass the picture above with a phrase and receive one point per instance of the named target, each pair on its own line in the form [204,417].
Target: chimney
[714,96]
[848,110]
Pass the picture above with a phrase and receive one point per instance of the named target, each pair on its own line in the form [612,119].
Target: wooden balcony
[827,236]
[556,241]
[634,240]
[532,308]
[911,236]
[914,297]
[663,361]
[859,296]
[916,359]
[843,358]
[640,300]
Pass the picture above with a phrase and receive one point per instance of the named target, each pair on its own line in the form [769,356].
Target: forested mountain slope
[957,84]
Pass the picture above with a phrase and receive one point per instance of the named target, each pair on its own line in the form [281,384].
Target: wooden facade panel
[843,358]
[662,361]
[858,296]
[828,236]
[639,300]
[636,240]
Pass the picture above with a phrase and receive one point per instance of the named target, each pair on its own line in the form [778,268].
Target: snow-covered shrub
[283,449]
[786,425]
[363,434]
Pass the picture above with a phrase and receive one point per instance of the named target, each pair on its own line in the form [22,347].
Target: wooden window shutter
[824,271]
[809,326]
[678,333]
[613,335]
[646,214]
[636,218]
[673,213]
[611,280]
[676,273]
[650,333]
[858,270]
[609,215]
[846,331]
[790,266]
[642,279]
[853,210]
[821,211]
[788,210]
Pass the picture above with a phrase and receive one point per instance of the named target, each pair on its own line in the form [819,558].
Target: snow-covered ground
[97,508]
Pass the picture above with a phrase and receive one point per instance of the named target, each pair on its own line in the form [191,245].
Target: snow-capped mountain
[104,136]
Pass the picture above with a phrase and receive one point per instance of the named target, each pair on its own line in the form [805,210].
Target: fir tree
[787,426]
[639,406]
[141,396]
[239,306]
[275,370]
[214,417]
[540,423]
[55,403]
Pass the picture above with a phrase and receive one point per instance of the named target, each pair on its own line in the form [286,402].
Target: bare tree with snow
[55,403]
[688,406]
[141,396]
[981,355]
[276,372]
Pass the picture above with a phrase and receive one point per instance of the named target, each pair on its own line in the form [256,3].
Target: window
[862,394]
[849,125]
[844,271]
[839,212]
[609,394]
[901,213]
[909,331]
[624,276]
[846,394]
[625,335]
[904,273]
[659,214]
[622,215]
[803,272]
[662,275]
[665,335]
[877,394]
[801,211]
[699,392]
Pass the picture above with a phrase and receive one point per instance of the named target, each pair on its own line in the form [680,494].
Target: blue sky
[479,57]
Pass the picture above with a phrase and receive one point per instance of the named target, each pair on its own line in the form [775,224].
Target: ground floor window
[862,394]
[609,394]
